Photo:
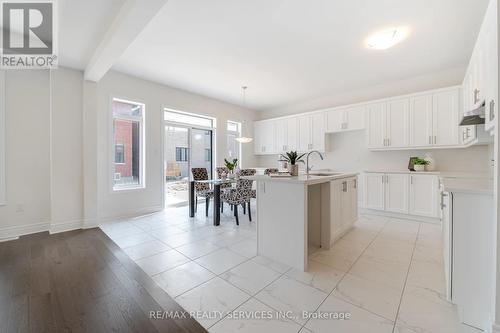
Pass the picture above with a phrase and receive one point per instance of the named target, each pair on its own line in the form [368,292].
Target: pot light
[387,38]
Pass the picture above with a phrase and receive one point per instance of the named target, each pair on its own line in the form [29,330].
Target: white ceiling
[82,24]
[285,51]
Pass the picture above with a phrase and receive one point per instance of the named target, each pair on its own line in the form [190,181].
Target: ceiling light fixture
[244,139]
[386,38]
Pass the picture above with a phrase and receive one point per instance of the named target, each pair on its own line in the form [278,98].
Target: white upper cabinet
[318,131]
[311,132]
[445,106]
[345,119]
[264,137]
[424,195]
[376,125]
[421,121]
[291,134]
[335,120]
[488,42]
[281,129]
[396,193]
[356,118]
[397,123]
[304,133]
[388,124]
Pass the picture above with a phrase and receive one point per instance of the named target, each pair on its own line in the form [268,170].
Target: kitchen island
[296,215]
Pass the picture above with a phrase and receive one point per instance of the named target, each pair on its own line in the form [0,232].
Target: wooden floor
[79,281]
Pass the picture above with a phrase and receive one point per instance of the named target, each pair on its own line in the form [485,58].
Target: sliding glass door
[185,147]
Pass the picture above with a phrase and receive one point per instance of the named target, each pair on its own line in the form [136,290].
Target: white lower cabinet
[374,191]
[402,193]
[469,247]
[424,191]
[396,193]
[343,205]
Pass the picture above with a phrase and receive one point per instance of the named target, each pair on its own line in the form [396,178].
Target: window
[233,146]
[181,154]
[119,153]
[188,118]
[128,141]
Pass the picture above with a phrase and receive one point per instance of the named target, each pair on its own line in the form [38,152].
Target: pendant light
[244,139]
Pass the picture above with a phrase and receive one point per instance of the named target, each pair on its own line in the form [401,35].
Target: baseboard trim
[136,213]
[424,219]
[14,232]
[65,226]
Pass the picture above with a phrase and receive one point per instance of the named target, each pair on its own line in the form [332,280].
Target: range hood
[475,116]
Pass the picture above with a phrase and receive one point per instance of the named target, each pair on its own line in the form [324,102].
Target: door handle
[492,109]
[476,95]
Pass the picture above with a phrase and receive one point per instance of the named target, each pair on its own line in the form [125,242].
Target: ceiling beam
[132,18]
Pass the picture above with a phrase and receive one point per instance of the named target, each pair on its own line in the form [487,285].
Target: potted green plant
[231,165]
[292,158]
[419,164]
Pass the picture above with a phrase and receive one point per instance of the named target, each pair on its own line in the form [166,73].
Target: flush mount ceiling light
[386,38]
[244,139]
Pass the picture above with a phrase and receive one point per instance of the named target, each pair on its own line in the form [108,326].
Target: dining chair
[267,172]
[248,172]
[201,189]
[240,195]
[220,171]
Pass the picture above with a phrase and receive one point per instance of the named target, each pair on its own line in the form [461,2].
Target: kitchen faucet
[307,160]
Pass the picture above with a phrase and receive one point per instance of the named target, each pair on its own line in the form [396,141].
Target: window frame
[142,144]
[123,153]
[236,134]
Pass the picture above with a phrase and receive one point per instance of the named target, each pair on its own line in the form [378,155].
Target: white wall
[66,152]
[347,152]
[27,152]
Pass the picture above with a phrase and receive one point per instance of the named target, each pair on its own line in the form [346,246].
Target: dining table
[216,184]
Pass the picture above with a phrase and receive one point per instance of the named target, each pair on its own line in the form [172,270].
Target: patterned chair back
[200,174]
[269,171]
[246,184]
[220,170]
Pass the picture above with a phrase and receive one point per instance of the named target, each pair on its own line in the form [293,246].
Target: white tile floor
[387,273]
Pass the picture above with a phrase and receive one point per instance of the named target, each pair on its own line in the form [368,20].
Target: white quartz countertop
[442,174]
[304,179]
[468,185]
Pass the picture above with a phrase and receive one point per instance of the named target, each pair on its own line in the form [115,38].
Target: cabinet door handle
[492,109]
[355,183]
[430,139]
[388,141]
[411,180]
[344,186]
[476,95]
